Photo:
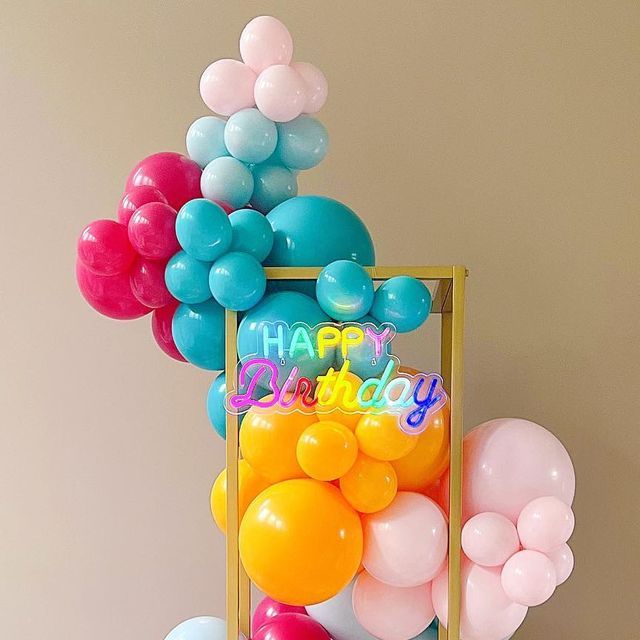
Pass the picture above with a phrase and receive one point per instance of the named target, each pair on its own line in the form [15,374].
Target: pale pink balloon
[280,93]
[489,539]
[529,578]
[405,544]
[486,613]
[317,86]
[563,562]
[545,524]
[265,41]
[392,613]
[226,86]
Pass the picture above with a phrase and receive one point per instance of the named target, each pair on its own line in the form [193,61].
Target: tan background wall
[501,135]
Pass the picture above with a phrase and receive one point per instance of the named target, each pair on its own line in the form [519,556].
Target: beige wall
[502,135]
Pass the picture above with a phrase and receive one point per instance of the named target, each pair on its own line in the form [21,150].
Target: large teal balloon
[403,301]
[344,290]
[198,331]
[362,358]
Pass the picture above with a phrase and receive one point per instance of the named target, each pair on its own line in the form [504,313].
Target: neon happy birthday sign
[415,397]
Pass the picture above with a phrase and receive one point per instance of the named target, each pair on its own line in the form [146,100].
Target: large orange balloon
[327,450]
[300,542]
[370,485]
[380,436]
[342,408]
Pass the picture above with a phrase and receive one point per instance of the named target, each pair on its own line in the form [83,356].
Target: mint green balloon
[273,184]
[302,143]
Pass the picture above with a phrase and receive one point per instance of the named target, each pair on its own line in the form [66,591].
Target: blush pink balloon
[317,86]
[152,231]
[265,41]
[104,248]
[529,578]
[489,539]
[268,609]
[405,544]
[161,321]
[280,93]
[392,613]
[563,561]
[288,626]
[486,613]
[545,524]
[147,283]
[136,198]
[226,86]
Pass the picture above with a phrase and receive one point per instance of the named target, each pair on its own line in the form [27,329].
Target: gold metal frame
[448,301]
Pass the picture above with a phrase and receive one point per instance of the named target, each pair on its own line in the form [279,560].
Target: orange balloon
[341,409]
[380,436]
[300,542]
[326,450]
[370,485]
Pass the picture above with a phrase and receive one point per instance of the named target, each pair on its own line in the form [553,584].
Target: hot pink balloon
[152,231]
[174,175]
[529,578]
[104,248]
[317,86]
[290,626]
[280,93]
[545,524]
[563,561]
[161,321]
[147,283]
[268,609]
[226,86]
[489,539]
[136,198]
[486,612]
[265,41]
[405,544]
[392,613]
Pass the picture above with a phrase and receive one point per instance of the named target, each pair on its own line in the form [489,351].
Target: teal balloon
[250,136]
[302,143]
[203,229]
[198,331]
[200,628]
[344,290]
[205,140]
[273,184]
[403,301]
[430,633]
[362,358]
[251,233]
[187,278]
[237,281]
[227,181]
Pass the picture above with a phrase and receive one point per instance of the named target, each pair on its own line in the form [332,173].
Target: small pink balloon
[147,283]
[265,41]
[135,198]
[545,524]
[563,561]
[152,231]
[317,86]
[405,544]
[226,86]
[291,626]
[268,609]
[161,321]
[392,613]
[280,93]
[529,578]
[104,248]
[489,539]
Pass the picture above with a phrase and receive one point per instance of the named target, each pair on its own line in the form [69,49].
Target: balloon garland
[343,508]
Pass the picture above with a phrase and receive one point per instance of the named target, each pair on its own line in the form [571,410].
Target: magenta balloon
[563,561]
[104,248]
[147,283]
[280,93]
[226,86]
[489,539]
[174,175]
[136,198]
[291,626]
[265,41]
[317,86]
[152,231]
[268,609]
[545,524]
[161,328]
[529,578]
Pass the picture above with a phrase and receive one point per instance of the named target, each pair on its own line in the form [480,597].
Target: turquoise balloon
[302,143]
[403,301]
[227,181]
[250,136]
[203,229]
[344,290]
[273,184]
[198,331]
[200,628]
[362,358]
[205,140]
[430,633]
[251,233]
[237,281]
[187,278]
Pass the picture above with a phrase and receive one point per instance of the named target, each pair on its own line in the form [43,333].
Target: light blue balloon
[187,278]
[200,628]
[403,301]
[302,143]
[250,136]
[273,184]
[203,229]
[227,181]
[344,290]
[237,281]
[198,331]
[205,140]
[362,358]
[251,233]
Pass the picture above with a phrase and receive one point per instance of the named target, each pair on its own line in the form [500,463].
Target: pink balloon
[317,86]
[545,524]
[280,93]
[104,248]
[109,295]
[268,609]
[265,41]
[486,613]
[136,198]
[226,86]
[147,283]
[405,544]
[489,539]
[291,626]
[529,578]
[563,561]
[174,175]
[152,231]
[392,613]
[161,321]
